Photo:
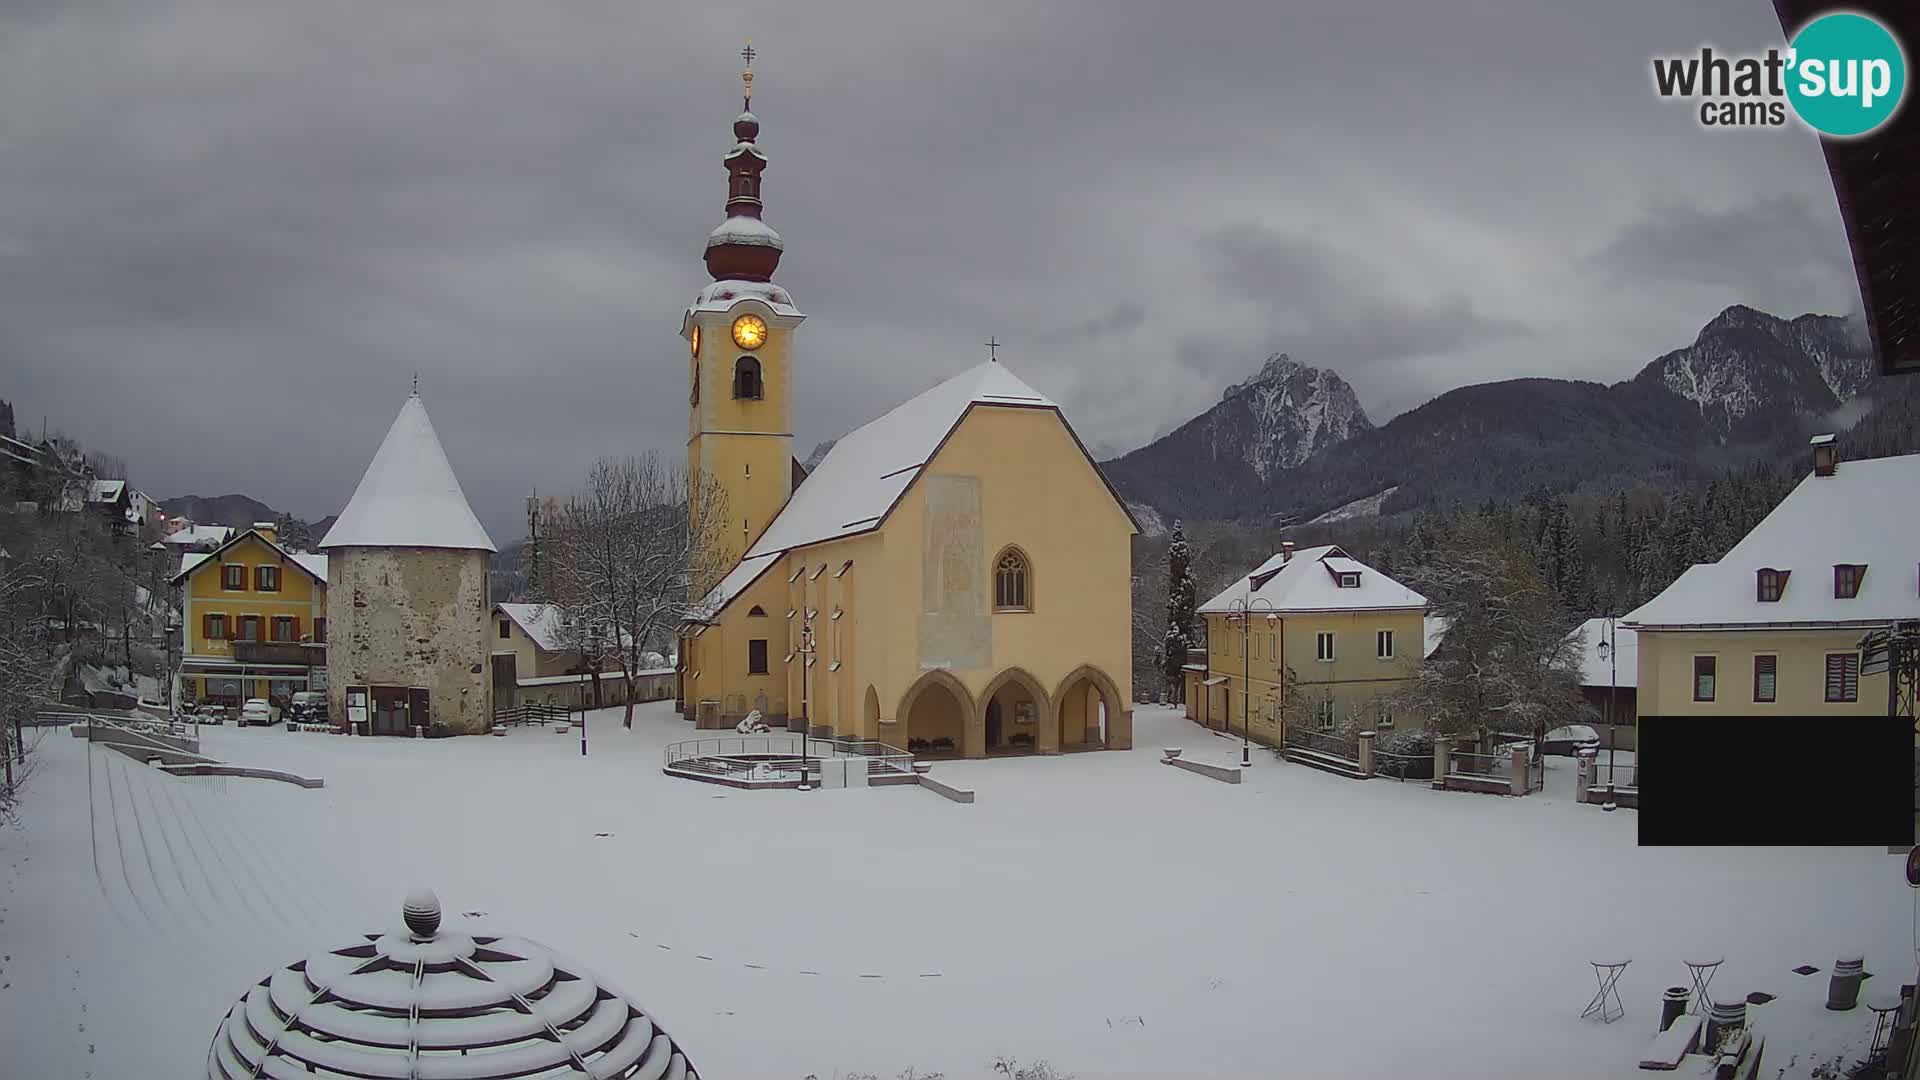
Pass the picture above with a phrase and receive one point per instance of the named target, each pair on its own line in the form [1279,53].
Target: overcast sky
[231,232]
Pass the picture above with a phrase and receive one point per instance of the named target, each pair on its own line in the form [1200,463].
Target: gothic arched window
[746,378]
[1012,582]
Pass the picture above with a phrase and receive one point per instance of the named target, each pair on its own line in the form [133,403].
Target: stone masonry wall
[411,617]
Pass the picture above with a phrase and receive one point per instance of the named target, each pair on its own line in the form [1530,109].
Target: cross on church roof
[993,349]
[747,53]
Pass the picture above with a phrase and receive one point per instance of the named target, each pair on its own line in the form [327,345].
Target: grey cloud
[1770,249]
[230,232]
[1332,308]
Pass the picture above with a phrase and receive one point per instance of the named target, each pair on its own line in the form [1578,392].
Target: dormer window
[1846,580]
[1770,583]
[1348,581]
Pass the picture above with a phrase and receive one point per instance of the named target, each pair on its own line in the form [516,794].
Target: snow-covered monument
[430,1002]
[407,597]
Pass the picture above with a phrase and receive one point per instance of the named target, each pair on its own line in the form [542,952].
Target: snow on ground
[1105,912]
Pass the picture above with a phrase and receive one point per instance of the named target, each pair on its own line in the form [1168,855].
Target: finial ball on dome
[422,912]
[746,126]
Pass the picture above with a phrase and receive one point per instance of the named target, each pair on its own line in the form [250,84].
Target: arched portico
[1092,713]
[939,715]
[1016,716]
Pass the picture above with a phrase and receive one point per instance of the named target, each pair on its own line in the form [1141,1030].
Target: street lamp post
[1610,652]
[590,660]
[1240,614]
[806,718]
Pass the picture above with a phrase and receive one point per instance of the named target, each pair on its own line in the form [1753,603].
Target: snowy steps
[1314,759]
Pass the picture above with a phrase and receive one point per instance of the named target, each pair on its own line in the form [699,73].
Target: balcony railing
[292,653]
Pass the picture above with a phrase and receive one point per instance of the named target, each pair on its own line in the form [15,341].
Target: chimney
[1286,551]
[268,530]
[1826,455]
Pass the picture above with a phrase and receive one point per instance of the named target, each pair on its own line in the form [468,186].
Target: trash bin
[1843,990]
[1673,1005]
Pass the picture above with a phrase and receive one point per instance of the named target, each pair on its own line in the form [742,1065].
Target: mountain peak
[1278,368]
[1736,316]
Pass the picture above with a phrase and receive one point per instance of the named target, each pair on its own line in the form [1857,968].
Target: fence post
[1442,750]
[1366,752]
[1517,769]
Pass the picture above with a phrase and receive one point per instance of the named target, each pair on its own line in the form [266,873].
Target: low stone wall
[946,791]
[1224,773]
[236,770]
[144,754]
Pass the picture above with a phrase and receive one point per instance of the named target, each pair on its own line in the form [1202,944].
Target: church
[953,578]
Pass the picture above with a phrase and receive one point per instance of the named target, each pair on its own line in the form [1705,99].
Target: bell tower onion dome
[744,248]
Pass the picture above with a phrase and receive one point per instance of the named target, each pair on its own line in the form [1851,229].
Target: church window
[1012,589]
[694,397]
[746,379]
[757,612]
[757,656]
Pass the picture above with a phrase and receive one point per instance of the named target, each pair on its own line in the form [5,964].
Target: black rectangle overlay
[1775,781]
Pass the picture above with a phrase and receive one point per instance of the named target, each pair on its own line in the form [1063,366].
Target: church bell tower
[739,335]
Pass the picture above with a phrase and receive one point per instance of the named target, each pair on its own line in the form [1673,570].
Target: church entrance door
[993,725]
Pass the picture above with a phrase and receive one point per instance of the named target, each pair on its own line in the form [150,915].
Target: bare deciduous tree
[1507,666]
[623,554]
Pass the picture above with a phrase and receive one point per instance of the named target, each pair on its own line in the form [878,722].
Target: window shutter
[1765,678]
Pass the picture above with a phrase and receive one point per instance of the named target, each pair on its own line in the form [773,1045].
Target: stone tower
[407,597]
[739,333]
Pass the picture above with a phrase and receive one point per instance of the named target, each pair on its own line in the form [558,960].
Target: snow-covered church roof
[1310,582]
[409,496]
[1621,669]
[421,1001]
[863,476]
[1864,514]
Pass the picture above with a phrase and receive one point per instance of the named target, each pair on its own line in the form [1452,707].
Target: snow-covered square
[1101,911]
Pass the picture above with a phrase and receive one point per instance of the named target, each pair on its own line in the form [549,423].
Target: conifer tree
[1182,598]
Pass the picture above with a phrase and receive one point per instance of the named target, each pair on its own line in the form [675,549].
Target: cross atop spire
[416,384]
[993,349]
[746,76]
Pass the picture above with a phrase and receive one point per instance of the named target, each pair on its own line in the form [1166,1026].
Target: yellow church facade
[953,578]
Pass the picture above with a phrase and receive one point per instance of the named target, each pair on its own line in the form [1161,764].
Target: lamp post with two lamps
[1240,615]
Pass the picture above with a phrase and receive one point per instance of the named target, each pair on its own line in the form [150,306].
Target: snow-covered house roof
[198,536]
[1435,629]
[1309,582]
[1622,669]
[540,622]
[409,496]
[314,565]
[1864,514]
[418,1000]
[863,477]
[106,491]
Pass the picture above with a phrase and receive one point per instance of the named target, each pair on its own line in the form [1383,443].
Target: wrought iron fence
[1338,744]
[1471,764]
[1619,775]
[1402,766]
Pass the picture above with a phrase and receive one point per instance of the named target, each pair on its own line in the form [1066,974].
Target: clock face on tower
[696,341]
[749,331]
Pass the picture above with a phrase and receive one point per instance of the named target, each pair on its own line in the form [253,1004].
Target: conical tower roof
[409,496]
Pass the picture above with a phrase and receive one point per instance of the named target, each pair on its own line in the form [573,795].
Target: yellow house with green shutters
[1346,632]
[953,578]
[253,620]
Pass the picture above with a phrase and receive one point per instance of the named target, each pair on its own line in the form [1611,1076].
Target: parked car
[1570,740]
[307,707]
[257,711]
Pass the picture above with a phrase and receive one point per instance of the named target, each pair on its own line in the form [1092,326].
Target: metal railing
[1332,743]
[781,754]
[1621,775]
[1403,766]
[1471,764]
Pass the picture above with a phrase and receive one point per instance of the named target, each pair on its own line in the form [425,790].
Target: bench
[1668,1047]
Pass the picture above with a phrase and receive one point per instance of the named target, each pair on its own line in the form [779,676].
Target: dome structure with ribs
[427,1002]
